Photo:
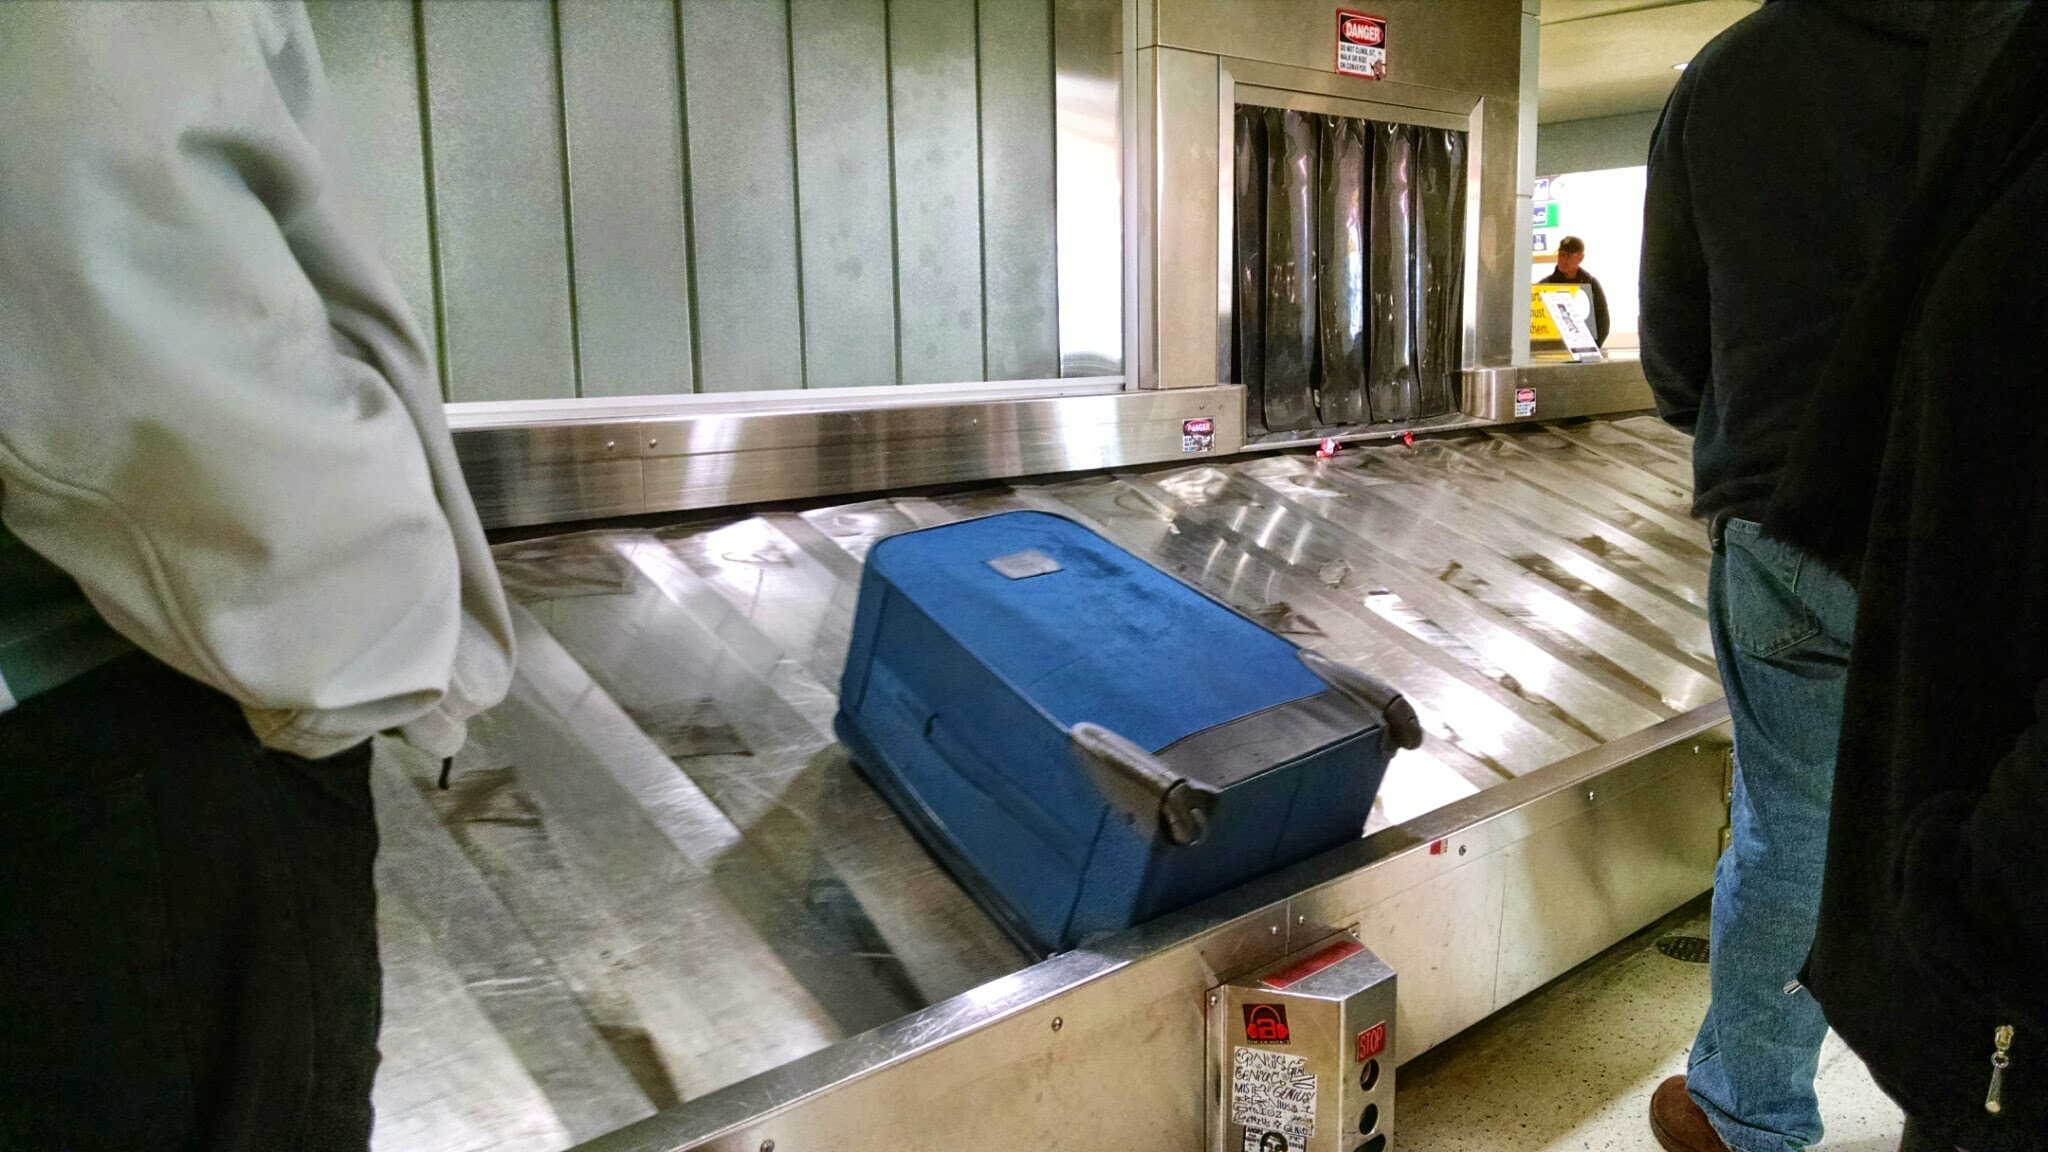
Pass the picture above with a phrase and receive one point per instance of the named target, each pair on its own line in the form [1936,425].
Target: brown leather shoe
[1677,1122]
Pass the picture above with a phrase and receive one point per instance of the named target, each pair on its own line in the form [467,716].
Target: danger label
[1272,1093]
[1361,45]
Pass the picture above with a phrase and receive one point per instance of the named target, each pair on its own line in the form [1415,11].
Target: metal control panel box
[1301,1054]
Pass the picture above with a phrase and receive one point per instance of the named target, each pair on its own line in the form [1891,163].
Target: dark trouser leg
[187,926]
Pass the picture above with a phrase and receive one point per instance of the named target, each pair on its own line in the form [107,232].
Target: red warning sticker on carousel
[1361,45]
[1265,1023]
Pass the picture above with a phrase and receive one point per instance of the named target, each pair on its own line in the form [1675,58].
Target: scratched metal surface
[655,875]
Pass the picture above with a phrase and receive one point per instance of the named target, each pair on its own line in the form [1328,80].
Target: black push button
[1370,1120]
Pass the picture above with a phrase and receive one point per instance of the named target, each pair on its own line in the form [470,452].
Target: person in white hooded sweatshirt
[236,546]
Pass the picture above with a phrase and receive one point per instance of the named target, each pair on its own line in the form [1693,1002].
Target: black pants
[188,948]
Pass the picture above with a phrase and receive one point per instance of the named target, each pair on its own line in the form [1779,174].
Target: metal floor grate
[1691,949]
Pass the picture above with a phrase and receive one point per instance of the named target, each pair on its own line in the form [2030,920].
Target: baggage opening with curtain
[1350,260]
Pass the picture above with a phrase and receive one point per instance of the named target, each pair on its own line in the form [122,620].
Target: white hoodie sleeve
[216,412]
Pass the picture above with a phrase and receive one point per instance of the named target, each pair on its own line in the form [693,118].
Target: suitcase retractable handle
[1404,728]
[1136,782]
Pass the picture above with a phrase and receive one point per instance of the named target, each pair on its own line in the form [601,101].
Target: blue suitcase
[1085,741]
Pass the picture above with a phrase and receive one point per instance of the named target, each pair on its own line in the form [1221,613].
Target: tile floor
[1571,1068]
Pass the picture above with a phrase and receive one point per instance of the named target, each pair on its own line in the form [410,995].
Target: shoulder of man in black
[1738,140]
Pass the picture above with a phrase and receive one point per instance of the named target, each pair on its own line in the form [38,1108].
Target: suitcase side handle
[1136,782]
[1404,728]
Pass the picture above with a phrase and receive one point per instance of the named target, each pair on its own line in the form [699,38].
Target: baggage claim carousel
[654,875]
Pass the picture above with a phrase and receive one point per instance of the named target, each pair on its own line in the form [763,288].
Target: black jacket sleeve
[1599,313]
[1677,349]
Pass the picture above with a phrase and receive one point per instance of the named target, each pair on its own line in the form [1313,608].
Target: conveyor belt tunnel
[1349,265]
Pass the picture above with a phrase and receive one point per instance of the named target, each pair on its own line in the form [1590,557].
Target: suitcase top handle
[1404,728]
[1135,782]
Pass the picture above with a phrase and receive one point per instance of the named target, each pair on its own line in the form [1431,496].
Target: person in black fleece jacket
[1920,471]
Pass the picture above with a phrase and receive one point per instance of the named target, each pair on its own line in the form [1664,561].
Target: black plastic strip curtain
[1291,148]
[1391,383]
[1440,266]
[1350,267]
[1340,271]
[1250,303]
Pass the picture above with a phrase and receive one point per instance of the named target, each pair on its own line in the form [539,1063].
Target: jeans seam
[1778,645]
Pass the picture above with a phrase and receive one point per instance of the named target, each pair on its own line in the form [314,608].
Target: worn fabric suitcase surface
[1087,742]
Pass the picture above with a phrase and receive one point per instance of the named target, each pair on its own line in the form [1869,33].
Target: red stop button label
[1372,1041]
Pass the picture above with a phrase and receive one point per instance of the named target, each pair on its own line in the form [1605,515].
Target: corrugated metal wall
[636,197]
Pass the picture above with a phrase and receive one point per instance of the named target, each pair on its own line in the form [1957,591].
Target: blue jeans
[1782,626]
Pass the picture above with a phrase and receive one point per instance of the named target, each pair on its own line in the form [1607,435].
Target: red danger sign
[1361,45]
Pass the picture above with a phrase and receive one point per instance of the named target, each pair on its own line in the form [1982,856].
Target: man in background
[1571,256]
[236,546]
[1775,177]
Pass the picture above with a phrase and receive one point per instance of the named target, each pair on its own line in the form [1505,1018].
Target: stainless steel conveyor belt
[655,876]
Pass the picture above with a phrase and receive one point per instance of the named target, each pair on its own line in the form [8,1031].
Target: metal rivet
[652,443]
[1274,930]
[1695,749]
[1589,793]
[767,1146]
[1461,849]
[1058,1023]
[1212,999]
[1303,919]
[612,446]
